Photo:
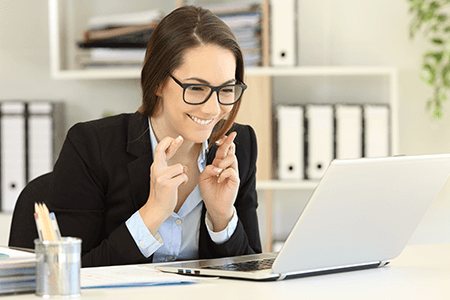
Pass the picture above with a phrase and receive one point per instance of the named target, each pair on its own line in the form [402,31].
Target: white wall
[345,32]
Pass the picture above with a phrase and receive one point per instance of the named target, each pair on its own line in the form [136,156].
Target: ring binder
[32,134]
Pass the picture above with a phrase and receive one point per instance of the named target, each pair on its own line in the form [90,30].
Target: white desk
[420,272]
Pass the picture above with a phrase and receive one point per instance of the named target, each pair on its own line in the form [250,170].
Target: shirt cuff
[146,242]
[224,235]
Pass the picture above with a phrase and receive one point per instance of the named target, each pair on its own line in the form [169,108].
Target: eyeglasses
[197,94]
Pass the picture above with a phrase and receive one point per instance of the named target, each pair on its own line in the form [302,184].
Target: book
[137,39]
[231,8]
[90,36]
[17,271]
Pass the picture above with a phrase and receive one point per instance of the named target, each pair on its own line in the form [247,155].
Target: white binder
[13,165]
[283,32]
[290,142]
[40,139]
[320,139]
[349,135]
[376,130]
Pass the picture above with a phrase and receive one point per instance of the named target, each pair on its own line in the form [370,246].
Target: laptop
[361,215]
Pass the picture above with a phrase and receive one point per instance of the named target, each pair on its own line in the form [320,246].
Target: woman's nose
[212,105]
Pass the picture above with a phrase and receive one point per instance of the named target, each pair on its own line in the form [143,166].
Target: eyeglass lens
[199,93]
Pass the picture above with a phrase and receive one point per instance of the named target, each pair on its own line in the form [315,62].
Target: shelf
[320,71]
[135,73]
[286,185]
[128,73]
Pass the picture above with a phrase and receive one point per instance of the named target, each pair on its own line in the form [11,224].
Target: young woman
[175,180]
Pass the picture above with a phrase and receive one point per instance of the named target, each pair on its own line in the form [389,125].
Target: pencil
[51,236]
[38,222]
[55,226]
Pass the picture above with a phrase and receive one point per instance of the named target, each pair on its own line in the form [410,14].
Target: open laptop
[361,215]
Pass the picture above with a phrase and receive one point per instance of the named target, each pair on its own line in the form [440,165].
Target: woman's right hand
[164,183]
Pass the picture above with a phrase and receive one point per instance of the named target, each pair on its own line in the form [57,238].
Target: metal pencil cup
[58,266]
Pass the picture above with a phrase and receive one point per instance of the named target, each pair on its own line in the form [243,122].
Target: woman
[175,180]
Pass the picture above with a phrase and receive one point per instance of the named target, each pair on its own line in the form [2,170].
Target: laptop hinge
[383,263]
[282,276]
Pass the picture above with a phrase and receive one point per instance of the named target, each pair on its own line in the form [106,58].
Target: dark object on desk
[23,226]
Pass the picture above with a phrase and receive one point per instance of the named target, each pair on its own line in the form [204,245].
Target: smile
[200,121]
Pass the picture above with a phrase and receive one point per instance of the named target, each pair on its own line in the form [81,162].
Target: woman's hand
[219,183]
[164,183]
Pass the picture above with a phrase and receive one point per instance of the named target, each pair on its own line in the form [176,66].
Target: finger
[233,155]
[169,173]
[225,163]
[228,174]
[225,144]
[220,141]
[229,161]
[208,172]
[178,180]
[173,147]
[167,148]
[168,185]
[233,148]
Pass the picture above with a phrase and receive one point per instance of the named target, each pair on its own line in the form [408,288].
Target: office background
[346,32]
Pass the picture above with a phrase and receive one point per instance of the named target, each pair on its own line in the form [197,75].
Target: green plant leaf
[428,74]
[437,56]
[446,76]
[431,18]
[442,18]
[437,41]
[434,5]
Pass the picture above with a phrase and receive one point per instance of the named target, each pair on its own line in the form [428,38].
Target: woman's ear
[159,91]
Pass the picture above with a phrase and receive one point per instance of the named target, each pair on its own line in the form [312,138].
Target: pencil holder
[58,266]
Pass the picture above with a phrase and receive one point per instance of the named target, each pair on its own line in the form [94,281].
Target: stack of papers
[244,19]
[117,40]
[17,271]
[129,276]
[18,274]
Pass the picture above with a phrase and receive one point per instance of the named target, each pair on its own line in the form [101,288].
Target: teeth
[202,122]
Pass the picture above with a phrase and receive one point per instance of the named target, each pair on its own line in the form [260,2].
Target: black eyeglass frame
[213,89]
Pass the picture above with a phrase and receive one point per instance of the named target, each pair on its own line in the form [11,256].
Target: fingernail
[218,142]
[218,170]
[179,138]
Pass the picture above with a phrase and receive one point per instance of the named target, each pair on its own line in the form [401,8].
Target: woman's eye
[227,90]
[194,88]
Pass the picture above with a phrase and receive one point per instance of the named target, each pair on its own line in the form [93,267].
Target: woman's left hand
[219,183]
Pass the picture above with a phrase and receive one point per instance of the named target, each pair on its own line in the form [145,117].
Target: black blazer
[102,177]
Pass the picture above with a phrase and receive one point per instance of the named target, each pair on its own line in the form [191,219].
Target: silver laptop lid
[363,210]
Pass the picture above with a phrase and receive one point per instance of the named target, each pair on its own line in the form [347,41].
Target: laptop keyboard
[246,266]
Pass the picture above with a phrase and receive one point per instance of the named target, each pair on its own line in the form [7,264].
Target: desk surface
[420,272]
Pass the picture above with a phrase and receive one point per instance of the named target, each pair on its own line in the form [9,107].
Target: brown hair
[184,28]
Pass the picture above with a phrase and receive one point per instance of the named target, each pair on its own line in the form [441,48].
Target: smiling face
[205,64]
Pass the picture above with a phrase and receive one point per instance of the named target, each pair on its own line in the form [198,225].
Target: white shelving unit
[268,186]
[63,36]
[67,21]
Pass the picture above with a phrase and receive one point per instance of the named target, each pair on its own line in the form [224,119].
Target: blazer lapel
[139,169]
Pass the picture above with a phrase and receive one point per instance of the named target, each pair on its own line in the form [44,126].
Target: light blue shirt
[178,236]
